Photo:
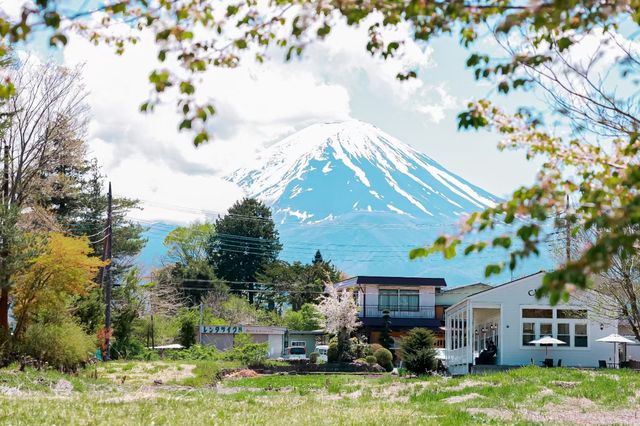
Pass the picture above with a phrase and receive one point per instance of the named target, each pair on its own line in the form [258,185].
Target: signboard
[221,329]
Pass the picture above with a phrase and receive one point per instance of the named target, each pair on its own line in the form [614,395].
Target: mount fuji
[364,199]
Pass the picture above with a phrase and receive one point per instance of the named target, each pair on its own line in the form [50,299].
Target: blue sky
[147,158]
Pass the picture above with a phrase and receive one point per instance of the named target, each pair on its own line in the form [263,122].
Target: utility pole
[106,273]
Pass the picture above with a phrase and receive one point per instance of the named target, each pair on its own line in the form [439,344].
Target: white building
[509,316]
[222,336]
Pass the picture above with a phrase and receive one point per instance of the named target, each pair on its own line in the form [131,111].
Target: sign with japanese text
[221,329]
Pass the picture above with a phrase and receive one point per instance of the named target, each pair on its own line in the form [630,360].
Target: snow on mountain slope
[330,169]
[364,199]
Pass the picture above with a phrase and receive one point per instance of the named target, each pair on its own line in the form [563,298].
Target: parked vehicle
[295,352]
[323,350]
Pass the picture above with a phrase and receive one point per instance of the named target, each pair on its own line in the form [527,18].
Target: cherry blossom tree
[341,315]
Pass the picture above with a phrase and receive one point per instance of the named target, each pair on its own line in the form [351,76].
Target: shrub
[418,351]
[314,357]
[64,346]
[195,353]
[384,358]
[247,352]
[357,349]
[374,347]
[332,351]
[371,360]
[187,328]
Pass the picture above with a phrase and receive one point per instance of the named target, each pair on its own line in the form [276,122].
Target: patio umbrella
[548,340]
[615,339]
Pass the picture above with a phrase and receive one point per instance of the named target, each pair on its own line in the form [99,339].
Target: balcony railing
[420,312]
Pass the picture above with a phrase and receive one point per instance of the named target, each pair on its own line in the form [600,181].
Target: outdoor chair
[602,363]
[548,362]
[559,363]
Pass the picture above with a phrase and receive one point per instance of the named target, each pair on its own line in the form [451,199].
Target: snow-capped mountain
[364,199]
[331,169]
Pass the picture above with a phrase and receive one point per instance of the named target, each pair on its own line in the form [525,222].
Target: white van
[323,350]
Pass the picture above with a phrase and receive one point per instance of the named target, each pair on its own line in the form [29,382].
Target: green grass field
[185,393]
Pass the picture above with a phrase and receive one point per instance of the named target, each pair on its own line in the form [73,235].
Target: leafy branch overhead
[596,165]
[199,35]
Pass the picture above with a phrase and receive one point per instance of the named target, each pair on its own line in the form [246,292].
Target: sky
[147,158]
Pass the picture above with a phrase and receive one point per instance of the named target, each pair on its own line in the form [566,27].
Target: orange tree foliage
[64,268]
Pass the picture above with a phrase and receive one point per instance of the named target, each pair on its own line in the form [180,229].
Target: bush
[314,357]
[374,347]
[384,358]
[357,349]
[195,353]
[332,351]
[64,346]
[371,360]
[187,321]
[418,351]
[247,352]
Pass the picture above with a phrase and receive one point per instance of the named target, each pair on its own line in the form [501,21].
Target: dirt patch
[493,413]
[462,398]
[9,391]
[148,372]
[63,387]
[239,374]
[581,411]
[545,392]
[396,392]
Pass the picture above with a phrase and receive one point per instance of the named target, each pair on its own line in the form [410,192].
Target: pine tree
[245,242]
[317,259]
[385,336]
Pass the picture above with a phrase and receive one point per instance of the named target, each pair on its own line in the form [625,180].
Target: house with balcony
[410,302]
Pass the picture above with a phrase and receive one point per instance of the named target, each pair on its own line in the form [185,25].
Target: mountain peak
[330,169]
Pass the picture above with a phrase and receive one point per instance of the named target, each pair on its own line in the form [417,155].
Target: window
[528,332]
[580,339]
[568,325]
[564,333]
[399,300]
[409,300]
[388,299]
[537,313]
[572,313]
[546,329]
[298,343]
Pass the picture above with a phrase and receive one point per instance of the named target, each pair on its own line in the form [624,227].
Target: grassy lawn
[183,392]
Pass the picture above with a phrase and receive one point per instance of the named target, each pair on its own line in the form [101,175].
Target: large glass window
[528,332]
[580,336]
[537,313]
[399,300]
[564,333]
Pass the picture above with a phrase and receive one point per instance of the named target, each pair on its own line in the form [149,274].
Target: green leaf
[564,43]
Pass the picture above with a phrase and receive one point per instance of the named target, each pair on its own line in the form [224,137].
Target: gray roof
[401,281]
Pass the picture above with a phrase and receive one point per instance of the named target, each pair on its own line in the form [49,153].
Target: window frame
[555,321]
[396,294]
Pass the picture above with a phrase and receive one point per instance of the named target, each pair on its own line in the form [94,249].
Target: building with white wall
[509,316]
[222,336]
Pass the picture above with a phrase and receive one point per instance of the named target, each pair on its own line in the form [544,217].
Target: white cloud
[148,158]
